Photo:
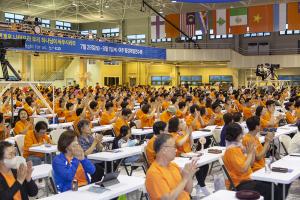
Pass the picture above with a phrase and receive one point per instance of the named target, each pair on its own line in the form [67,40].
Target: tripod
[5,66]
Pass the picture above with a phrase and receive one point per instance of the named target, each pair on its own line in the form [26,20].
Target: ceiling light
[174,1]
[106,5]
[161,11]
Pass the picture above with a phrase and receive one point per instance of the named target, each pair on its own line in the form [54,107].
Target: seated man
[164,179]
[122,121]
[109,116]
[228,119]
[36,138]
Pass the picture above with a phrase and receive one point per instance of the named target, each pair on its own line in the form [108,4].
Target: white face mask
[15,162]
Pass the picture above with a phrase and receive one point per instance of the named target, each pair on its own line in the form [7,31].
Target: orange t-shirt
[165,105]
[28,109]
[70,115]
[298,113]
[162,180]
[150,153]
[138,114]
[106,118]
[219,119]
[186,147]
[117,126]
[20,126]
[234,160]
[4,133]
[290,119]
[79,175]
[179,114]
[263,123]
[209,113]
[10,180]
[247,112]
[248,138]
[146,121]
[30,140]
[189,120]
[165,117]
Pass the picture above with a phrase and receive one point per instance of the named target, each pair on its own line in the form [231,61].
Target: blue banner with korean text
[41,43]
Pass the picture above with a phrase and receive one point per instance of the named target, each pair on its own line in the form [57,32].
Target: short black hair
[160,141]
[124,104]
[41,125]
[173,125]
[3,146]
[1,117]
[173,99]
[93,104]
[65,139]
[252,122]
[297,104]
[158,126]
[233,130]
[29,100]
[215,105]
[82,123]
[79,111]
[270,102]
[19,112]
[259,110]
[181,104]
[228,118]
[69,105]
[288,105]
[193,108]
[237,116]
[109,105]
[145,108]
[123,131]
[126,111]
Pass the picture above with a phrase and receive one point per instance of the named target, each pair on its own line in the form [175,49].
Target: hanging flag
[171,32]
[221,22]
[183,23]
[238,20]
[293,19]
[280,17]
[202,21]
[260,18]
[157,27]
[190,24]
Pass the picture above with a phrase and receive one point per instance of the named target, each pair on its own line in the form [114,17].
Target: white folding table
[102,128]
[45,150]
[199,134]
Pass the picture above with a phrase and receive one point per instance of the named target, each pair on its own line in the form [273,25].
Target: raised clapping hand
[190,169]
[21,173]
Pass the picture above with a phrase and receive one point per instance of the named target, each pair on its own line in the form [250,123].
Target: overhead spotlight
[174,1]
[74,3]
[161,11]
[106,5]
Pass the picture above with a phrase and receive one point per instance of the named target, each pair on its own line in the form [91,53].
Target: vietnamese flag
[260,18]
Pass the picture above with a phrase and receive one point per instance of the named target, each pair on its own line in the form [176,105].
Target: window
[136,39]
[198,36]
[94,32]
[45,23]
[261,34]
[110,32]
[222,79]
[289,32]
[295,79]
[213,36]
[63,25]
[111,81]
[191,80]
[161,80]
[161,40]
[14,18]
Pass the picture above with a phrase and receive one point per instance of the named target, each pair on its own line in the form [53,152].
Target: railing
[192,45]
[281,51]
[52,76]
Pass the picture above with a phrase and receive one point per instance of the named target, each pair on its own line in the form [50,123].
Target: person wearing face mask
[253,124]
[23,125]
[15,175]
[36,138]
[159,127]
[71,163]
[238,161]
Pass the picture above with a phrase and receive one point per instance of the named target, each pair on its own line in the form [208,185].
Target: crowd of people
[173,113]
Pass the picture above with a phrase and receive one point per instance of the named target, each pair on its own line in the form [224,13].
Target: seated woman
[238,162]
[4,132]
[216,107]
[71,163]
[164,179]
[30,105]
[266,123]
[23,124]
[124,140]
[15,181]
[184,142]
[122,121]
[36,138]
[291,118]
[90,145]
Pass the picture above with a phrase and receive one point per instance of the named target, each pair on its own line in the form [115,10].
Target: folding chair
[20,143]
[231,187]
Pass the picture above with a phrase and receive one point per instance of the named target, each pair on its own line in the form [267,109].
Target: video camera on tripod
[267,71]
[4,45]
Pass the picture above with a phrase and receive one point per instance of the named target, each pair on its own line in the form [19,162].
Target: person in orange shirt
[168,114]
[164,179]
[238,161]
[182,110]
[15,177]
[247,112]
[23,125]
[269,114]
[36,138]
[195,120]
[122,121]
[93,111]
[241,103]
[70,112]
[109,116]
[159,127]
[228,106]
[29,106]
[147,118]
[209,111]
[297,108]
[253,124]
[290,117]
[216,107]
[4,132]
